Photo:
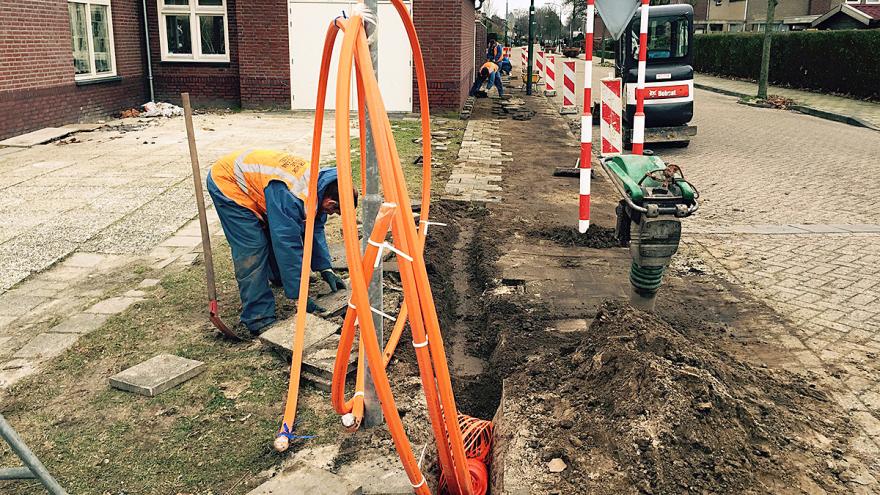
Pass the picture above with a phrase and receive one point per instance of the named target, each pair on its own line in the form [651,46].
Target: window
[667,38]
[193,30]
[853,1]
[92,36]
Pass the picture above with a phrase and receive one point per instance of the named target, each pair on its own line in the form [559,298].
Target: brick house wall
[37,86]
[449,58]
[481,44]
[264,54]
[209,84]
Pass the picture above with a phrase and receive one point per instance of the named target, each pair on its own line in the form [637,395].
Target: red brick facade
[37,86]
[449,58]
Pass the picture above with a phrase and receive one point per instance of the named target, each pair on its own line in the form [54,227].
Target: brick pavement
[478,170]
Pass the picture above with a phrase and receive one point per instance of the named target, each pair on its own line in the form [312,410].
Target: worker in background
[486,74]
[494,52]
[260,198]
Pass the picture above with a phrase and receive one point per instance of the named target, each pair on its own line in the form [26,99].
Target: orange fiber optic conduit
[462,475]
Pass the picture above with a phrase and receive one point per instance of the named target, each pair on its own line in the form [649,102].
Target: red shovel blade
[218,323]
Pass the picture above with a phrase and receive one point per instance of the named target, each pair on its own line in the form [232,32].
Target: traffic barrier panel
[550,70]
[610,113]
[585,164]
[569,104]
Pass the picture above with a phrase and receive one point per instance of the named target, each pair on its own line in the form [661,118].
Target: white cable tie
[420,484]
[359,392]
[374,310]
[382,247]
[390,205]
[423,344]
[422,456]
[427,223]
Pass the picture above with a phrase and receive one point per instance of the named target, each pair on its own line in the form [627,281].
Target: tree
[765,52]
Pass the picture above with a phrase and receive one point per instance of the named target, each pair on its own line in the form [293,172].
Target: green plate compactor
[656,197]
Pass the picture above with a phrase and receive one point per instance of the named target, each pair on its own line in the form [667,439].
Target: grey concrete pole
[372,201]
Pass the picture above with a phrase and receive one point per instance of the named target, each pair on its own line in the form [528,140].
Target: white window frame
[853,1]
[90,36]
[869,2]
[193,10]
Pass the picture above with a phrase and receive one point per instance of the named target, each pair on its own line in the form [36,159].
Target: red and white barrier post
[539,64]
[587,124]
[569,104]
[550,70]
[610,113]
[524,60]
[638,133]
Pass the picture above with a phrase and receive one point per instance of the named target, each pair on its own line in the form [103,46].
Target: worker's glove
[312,307]
[332,279]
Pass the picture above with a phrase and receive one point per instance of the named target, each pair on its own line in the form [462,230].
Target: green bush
[846,61]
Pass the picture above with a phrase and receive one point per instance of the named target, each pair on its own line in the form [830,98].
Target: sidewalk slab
[157,374]
[280,336]
[113,305]
[306,480]
[837,108]
[37,137]
[82,323]
[381,475]
[46,345]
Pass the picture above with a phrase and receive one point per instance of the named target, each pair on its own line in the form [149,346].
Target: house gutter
[149,58]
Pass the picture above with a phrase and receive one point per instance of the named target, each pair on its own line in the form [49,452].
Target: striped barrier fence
[569,104]
[610,112]
[585,164]
[550,70]
[638,134]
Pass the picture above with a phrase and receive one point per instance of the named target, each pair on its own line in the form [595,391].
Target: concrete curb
[815,112]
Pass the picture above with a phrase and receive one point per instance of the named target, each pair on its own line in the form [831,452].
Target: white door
[308,21]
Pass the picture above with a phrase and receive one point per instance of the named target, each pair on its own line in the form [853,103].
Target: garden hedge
[846,61]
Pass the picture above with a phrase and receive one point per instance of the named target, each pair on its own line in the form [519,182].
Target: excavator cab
[669,74]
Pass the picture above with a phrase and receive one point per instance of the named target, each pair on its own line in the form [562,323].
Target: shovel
[203,223]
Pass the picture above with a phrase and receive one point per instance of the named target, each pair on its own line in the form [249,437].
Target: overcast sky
[498,5]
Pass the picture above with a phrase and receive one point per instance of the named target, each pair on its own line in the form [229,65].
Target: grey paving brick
[113,305]
[46,345]
[157,374]
[81,323]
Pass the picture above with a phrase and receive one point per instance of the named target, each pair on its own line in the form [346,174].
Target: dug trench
[597,397]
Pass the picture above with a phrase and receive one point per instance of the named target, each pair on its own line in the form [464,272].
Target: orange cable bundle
[464,476]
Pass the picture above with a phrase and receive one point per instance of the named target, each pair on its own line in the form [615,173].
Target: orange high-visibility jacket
[493,68]
[242,176]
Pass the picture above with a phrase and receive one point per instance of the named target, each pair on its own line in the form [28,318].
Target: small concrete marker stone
[81,323]
[300,479]
[157,374]
[46,345]
[113,305]
[148,282]
[556,465]
[280,336]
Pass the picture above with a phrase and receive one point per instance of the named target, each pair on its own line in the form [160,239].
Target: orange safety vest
[242,176]
[493,67]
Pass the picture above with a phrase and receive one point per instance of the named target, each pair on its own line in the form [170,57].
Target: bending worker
[260,198]
[487,71]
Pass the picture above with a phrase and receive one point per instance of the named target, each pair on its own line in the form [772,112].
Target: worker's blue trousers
[251,256]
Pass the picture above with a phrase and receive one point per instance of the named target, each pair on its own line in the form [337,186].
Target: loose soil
[596,236]
[636,405]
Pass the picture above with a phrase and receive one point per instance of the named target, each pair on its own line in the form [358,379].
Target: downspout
[149,58]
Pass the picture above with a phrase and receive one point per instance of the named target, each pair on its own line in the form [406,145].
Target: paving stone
[85,260]
[46,345]
[81,323]
[17,302]
[18,369]
[280,336]
[4,342]
[113,305]
[300,479]
[334,303]
[36,137]
[320,358]
[134,293]
[5,321]
[148,282]
[379,475]
[182,241]
[157,374]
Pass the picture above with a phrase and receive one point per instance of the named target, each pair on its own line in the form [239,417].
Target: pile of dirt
[596,237]
[640,406]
